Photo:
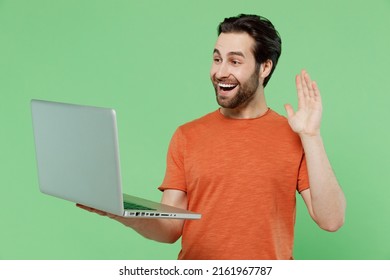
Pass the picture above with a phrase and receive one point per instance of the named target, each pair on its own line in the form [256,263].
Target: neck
[253,109]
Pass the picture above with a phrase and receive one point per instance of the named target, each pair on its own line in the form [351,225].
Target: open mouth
[226,87]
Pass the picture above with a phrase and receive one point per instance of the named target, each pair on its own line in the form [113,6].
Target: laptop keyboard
[133,206]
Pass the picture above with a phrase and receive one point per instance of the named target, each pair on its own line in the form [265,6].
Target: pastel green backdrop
[150,61]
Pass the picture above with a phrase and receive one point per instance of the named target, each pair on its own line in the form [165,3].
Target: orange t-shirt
[242,176]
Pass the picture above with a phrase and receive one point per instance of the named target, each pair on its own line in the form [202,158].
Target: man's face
[233,72]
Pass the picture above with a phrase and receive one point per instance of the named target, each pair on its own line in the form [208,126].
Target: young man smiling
[241,165]
[235,76]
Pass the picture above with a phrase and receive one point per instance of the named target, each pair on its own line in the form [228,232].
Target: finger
[300,91]
[310,85]
[289,110]
[316,91]
[307,78]
[83,207]
[305,86]
[92,210]
[298,82]
[299,85]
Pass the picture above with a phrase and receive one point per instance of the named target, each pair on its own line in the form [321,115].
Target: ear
[265,69]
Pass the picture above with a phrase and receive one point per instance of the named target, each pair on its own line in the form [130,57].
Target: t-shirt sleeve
[175,173]
[303,176]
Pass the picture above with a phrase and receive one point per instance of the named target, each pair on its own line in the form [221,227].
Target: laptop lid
[77,155]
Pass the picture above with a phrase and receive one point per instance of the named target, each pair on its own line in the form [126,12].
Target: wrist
[310,134]
[310,137]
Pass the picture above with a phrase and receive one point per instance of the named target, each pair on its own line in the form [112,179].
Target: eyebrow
[216,51]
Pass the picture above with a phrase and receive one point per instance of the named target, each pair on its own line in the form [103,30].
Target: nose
[221,71]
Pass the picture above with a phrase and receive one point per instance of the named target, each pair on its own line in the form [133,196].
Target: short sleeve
[175,172]
[303,176]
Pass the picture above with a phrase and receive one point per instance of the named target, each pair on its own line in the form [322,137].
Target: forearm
[327,198]
[161,230]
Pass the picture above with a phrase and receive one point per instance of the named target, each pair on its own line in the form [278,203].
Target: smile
[226,87]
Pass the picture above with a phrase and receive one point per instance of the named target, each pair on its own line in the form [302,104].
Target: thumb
[289,110]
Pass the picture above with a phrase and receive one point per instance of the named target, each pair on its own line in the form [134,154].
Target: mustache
[226,81]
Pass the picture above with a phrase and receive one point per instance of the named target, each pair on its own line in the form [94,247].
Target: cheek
[213,70]
[246,75]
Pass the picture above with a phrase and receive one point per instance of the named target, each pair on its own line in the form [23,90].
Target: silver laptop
[77,156]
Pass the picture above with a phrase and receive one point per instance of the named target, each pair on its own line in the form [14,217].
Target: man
[241,165]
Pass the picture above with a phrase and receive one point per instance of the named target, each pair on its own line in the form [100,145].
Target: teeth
[227,85]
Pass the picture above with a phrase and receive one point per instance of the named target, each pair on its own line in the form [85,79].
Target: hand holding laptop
[162,230]
[125,221]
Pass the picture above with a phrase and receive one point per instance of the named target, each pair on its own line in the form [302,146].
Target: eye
[235,61]
[217,60]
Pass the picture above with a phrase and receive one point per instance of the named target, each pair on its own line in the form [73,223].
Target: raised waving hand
[306,121]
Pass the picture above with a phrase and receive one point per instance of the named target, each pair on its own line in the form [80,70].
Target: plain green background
[150,61]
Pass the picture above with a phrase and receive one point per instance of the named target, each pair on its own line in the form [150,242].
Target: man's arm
[325,199]
[161,230]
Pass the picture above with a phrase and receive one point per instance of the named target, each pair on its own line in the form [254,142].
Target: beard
[244,95]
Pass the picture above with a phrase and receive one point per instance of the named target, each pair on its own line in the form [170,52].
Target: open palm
[307,119]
